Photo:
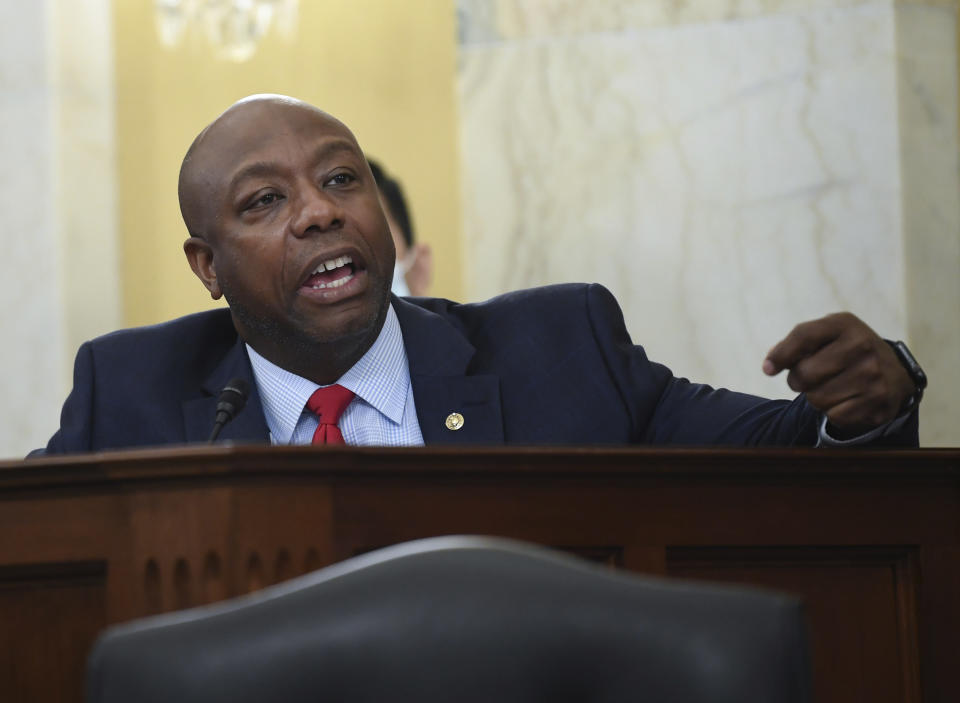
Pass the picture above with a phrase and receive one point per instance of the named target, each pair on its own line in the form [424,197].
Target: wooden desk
[870,539]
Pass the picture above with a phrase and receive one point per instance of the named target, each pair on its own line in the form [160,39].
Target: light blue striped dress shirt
[381,414]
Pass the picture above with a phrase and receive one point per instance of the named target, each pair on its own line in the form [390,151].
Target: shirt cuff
[825,440]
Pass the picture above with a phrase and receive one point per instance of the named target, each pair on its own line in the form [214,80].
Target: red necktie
[328,404]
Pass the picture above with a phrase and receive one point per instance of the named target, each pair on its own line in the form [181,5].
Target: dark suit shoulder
[543,305]
[549,349]
[130,386]
[549,322]
[176,354]
[212,326]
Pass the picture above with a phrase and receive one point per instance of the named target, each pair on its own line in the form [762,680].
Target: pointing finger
[804,339]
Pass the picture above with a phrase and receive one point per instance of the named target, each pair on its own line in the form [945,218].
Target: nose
[316,211]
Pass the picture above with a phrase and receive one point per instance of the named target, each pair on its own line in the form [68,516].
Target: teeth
[332,264]
[334,284]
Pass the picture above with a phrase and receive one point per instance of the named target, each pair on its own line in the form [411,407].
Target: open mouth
[332,273]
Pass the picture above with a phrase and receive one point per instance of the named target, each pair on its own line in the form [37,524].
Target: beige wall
[386,69]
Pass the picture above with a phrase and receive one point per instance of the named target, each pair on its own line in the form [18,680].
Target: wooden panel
[940,621]
[179,583]
[50,615]
[861,605]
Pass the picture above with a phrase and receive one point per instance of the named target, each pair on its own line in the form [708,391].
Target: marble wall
[728,169]
[30,316]
[59,272]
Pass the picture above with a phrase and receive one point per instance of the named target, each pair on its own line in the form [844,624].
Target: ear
[200,256]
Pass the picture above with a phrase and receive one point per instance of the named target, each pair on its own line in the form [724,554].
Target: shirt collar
[380,378]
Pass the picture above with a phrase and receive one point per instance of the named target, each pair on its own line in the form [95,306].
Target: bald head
[242,126]
[286,224]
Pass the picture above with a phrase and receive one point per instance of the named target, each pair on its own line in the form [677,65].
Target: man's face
[299,245]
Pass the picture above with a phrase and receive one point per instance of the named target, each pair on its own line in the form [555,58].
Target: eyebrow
[266,168]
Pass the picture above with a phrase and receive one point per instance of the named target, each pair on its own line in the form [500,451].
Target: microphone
[230,402]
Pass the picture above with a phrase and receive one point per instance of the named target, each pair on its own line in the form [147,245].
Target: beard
[297,348]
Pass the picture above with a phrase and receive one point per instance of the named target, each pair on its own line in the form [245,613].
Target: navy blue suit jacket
[551,365]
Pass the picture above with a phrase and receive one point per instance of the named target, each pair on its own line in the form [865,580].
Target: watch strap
[913,368]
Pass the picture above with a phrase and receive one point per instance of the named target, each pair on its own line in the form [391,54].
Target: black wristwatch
[913,368]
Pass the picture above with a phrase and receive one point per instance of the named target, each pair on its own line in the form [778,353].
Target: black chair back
[464,619]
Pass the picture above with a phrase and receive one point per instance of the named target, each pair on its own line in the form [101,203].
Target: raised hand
[845,369]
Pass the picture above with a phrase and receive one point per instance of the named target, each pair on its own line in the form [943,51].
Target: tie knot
[329,403]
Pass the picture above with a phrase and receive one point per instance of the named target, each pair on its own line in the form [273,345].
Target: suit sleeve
[665,409]
[76,418]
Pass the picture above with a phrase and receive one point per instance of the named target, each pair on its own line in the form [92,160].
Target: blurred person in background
[414,268]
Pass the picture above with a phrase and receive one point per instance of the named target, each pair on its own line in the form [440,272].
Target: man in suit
[285,223]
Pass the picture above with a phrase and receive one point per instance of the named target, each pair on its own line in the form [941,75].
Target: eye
[340,179]
[263,200]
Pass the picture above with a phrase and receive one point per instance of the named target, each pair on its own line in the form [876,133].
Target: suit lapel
[198,414]
[439,355]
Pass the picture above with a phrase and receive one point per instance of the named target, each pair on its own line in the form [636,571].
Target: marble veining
[486,21]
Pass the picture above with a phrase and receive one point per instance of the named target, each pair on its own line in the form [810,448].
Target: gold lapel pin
[454,421]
